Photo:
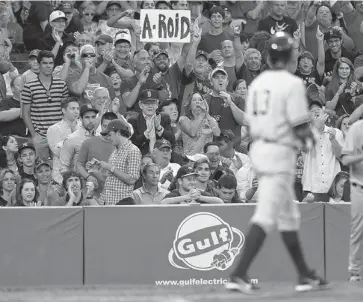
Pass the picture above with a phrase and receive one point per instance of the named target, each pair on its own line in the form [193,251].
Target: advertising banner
[41,246]
[159,25]
[187,245]
[337,233]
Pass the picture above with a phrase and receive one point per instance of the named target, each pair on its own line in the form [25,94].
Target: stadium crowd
[96,117]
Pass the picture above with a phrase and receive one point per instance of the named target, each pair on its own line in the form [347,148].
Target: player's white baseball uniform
[276,103]
[354,146]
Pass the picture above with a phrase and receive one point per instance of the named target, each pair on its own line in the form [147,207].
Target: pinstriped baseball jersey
[276,103]
[354,146]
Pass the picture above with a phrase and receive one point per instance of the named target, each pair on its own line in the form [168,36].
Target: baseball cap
[66,7]
[148,95]
[116,125]
[218,69]
[57,14]
[185,171]
[333,33]
[316,103]
[26,146]
[88,48]
[104,39]
[113,2]
[201,53]
[162,143]
[160,52]
[34,53]
[42,163]
[87,108]
[123,36]
[226,8]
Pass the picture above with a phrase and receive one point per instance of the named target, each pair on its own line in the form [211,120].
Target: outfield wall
[162,245]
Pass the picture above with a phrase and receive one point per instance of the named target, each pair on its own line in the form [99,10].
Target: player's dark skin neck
[278,66]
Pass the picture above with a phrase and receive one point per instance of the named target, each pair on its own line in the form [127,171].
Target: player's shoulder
[277,77]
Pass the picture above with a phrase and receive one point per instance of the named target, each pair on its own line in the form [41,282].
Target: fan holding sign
[165,26]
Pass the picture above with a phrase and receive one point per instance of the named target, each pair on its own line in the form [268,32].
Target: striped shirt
[45,109]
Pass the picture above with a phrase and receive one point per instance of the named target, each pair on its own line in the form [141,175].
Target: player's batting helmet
[280,45]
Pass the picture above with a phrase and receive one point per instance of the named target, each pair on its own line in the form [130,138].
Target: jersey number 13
[261,102]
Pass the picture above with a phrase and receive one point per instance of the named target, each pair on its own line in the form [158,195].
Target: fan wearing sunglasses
[85,82]
[87,20]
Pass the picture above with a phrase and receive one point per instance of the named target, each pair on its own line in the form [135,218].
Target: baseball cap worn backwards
[115,125]
[185,171]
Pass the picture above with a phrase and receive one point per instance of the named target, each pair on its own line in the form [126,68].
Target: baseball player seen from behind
[352,156]
[279,121]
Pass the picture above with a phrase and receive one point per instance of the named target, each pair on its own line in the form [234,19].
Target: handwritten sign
[159,25]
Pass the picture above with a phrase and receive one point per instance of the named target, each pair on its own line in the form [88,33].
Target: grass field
[270,292]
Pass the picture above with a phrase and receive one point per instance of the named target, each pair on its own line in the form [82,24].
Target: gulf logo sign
[205,242]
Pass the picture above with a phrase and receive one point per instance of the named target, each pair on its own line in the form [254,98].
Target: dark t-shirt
[48,43]
[232,77]
[246,74]
[330,61]
[15,127]
[129,84]
[209,42]
[176,193]
[124,63]
[28,176]
[96,80]
[272,25]
[74,26]
[171,81]
[223,113]
[202,86]
[39,12]
[3,202]
[312,78]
